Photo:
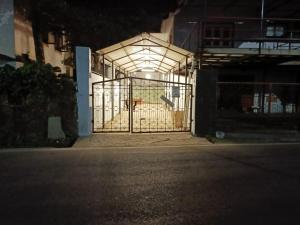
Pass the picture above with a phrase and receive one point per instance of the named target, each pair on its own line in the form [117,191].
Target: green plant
[28,96]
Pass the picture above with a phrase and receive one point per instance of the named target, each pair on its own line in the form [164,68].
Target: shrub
[28,96]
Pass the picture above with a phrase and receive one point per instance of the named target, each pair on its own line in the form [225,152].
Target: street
[209,185]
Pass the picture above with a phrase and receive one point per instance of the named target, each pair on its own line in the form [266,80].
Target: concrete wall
[24,42]
[167,27]
[205,105]
[54,57]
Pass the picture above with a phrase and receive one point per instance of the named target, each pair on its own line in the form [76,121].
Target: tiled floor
[148,118]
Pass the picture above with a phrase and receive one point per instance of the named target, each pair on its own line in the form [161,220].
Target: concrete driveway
[136,140]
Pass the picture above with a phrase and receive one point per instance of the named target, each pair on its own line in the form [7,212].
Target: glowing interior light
[148,70]
[148,76]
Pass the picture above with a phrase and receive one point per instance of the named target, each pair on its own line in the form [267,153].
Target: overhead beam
[126,68]
[157,69]
[162,62]
[174,60]
[129,54]
[168,69]
[131,61]
[168,48]
[124,49]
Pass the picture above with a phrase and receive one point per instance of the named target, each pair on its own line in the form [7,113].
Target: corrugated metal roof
[146,52]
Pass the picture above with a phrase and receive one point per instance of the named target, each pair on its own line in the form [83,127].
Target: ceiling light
[148,70]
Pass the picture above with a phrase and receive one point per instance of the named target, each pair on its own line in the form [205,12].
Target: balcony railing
[244,33]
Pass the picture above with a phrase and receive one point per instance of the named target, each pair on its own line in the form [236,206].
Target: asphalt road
[245,185]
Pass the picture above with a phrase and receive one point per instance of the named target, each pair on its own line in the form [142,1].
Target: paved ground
[133,140]
[211,185]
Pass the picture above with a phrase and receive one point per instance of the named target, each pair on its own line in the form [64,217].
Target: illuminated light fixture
[148,76]
[224,60]
[148,70]
[211,60]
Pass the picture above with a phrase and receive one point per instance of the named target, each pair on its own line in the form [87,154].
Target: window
[218,35]
[275,31]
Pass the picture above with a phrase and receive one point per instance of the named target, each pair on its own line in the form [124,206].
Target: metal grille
[235,98]
[111,106]
[246,106]
[141,106]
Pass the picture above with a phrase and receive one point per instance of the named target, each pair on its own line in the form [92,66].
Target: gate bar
[103,92]
[93,109]
[130,125]
[138,78]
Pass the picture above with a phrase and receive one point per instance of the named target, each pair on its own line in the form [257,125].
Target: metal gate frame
[130,116]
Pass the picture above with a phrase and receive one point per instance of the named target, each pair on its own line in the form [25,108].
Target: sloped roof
[146,51]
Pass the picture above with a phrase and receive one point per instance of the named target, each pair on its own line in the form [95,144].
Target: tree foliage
[95,23]
[28,96]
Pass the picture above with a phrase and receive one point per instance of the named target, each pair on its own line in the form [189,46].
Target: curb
[139,147]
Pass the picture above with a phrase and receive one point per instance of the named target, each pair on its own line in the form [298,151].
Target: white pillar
[83,71]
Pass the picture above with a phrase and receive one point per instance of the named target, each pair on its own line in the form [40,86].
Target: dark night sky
[98,23]
[131,6]
[116,20]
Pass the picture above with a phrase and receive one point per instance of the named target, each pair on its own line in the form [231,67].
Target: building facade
[248,60]
[17,43]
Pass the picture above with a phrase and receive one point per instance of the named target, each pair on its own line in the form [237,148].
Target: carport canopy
[147,52]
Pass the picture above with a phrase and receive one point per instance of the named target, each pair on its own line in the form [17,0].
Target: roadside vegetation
[30,95]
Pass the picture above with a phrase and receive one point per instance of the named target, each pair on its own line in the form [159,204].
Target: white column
[83,71]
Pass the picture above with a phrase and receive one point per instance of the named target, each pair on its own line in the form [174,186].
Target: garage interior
[146,87]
